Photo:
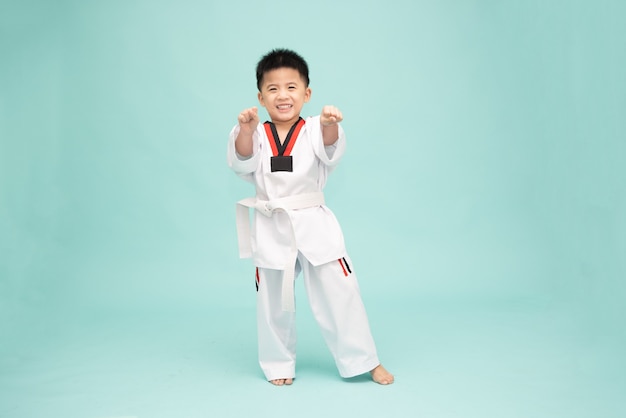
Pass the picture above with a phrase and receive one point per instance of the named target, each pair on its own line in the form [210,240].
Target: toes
[281,382]
[386,381]
[382,376]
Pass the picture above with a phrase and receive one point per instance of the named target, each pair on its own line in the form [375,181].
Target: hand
[248,119]
[330,116]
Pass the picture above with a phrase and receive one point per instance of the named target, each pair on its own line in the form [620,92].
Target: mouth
[284,107]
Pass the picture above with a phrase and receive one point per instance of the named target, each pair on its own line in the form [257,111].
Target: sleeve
[244,167]
[328,155]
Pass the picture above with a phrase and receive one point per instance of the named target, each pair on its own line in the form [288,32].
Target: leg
[276,329]
[336,303]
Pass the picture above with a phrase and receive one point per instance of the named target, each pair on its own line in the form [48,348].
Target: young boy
[288,160]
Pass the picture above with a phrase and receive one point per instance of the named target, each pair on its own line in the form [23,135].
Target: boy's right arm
[248,121]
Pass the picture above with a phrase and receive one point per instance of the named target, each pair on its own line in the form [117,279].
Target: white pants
[336,304]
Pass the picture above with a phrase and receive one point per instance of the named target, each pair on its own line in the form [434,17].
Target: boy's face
[283,93]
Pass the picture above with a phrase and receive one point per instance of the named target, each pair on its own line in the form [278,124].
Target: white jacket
[316,231]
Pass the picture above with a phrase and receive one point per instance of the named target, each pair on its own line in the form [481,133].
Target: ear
[261,101]
[307,94]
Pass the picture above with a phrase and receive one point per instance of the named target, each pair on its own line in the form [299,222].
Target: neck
[285,124]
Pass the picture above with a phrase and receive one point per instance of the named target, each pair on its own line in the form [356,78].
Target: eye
[292,87]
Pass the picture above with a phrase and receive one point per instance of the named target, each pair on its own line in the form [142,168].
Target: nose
[282,93]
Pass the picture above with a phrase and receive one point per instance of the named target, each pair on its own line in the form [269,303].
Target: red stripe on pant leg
[345,273]
[345,262]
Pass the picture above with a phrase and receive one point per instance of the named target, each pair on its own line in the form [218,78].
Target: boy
[288,160]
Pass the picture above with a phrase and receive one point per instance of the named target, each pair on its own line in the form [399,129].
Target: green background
[482,197]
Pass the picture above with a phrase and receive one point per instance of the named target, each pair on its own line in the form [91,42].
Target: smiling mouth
[284,107]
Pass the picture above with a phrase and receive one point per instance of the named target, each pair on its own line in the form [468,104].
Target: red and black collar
[285,148]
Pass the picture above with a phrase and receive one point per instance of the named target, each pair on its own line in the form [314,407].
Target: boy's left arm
[329,119]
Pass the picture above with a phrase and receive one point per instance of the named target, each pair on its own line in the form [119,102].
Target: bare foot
[280,382]
[381,376]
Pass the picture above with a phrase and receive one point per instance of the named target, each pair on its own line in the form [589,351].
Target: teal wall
[485,168]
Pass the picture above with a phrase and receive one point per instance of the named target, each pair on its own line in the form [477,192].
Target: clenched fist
[248,119]
[330,116]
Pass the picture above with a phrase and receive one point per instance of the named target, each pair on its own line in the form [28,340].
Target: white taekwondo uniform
[294,231]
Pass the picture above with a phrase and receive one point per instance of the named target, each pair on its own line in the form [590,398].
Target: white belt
[267,208]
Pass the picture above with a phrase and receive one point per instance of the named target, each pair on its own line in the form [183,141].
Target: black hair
[281,58]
